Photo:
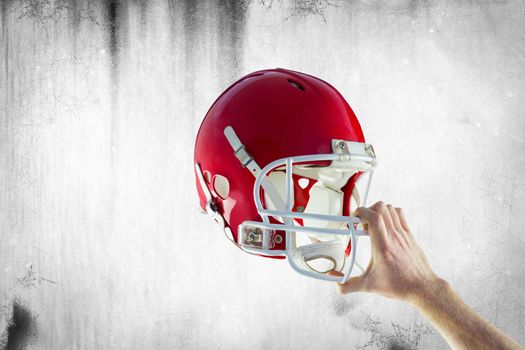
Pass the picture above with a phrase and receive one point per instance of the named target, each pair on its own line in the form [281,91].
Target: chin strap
[332,251]
[247,161]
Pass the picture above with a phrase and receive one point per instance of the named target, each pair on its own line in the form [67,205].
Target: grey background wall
[101,243]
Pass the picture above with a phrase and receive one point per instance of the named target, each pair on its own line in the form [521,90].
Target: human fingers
[381,208]
[399,231]
[402,219]
[395,217]
[374,224]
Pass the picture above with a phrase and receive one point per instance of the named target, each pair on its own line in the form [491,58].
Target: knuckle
[389,206]
[378,205]
[375,217]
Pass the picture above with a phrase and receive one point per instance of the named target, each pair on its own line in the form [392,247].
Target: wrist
[431,292]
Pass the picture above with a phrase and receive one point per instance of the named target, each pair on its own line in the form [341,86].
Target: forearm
[461,327]
[399,269]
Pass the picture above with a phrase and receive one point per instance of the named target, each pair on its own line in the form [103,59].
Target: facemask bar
[350,156]
[292,254]
[254,237]
[363,161]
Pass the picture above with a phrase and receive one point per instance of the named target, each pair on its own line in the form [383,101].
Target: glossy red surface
[276,114]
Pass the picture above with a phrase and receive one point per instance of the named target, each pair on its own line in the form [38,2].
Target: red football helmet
[277,160]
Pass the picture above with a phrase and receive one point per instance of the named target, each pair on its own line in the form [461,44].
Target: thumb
[354,284]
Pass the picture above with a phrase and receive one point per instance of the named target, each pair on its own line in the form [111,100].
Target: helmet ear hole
[221,186]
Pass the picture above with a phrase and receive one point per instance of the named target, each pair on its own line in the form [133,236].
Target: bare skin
[399,269]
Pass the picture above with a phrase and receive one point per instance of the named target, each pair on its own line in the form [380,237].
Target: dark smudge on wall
[232,22]
[228,21]
[22,329]
[191,30]
[143,12]
[7,92]
[113,9]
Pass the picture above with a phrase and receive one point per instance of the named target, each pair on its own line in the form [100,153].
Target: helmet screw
[278,239]
[342,145]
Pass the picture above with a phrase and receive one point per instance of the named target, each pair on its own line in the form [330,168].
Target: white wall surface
[100,238]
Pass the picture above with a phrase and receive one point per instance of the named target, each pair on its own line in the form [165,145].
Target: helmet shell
[276,113]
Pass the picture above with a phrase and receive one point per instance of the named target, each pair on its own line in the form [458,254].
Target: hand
[398,268]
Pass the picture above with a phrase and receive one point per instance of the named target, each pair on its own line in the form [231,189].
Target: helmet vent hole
[303,182]
[296,84]
[221,186]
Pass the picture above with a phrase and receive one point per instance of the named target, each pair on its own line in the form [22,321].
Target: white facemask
[319,245]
